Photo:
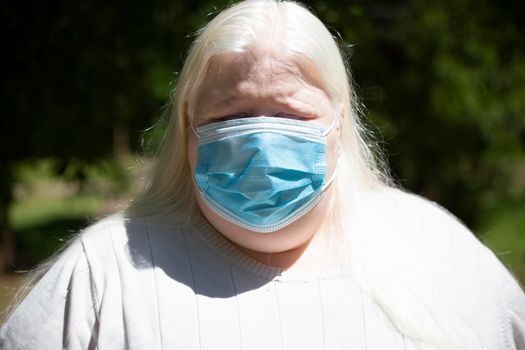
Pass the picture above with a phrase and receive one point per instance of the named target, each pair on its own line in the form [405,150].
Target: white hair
[237,29]
[170,196]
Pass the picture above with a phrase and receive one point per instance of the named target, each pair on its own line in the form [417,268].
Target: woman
[268,224]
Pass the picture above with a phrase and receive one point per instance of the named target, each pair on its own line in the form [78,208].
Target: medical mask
[261,173]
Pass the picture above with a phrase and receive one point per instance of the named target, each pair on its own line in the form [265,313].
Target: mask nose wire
[335,122]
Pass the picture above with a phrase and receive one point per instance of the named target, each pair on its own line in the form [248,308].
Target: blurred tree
[444,81]
[80,77]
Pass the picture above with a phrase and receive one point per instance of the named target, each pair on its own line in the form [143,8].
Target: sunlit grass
[47,212]
[39,211]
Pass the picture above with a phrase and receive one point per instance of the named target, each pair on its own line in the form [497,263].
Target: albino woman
[267,223]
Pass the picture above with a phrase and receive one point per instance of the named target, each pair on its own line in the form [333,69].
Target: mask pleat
[261,177]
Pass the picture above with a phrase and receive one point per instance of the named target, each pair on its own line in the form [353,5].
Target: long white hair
[236,29]
[169,195]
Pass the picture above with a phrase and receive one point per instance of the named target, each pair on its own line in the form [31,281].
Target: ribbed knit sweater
[135,284]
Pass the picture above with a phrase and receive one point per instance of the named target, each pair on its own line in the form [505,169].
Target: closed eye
[289,116]
[233,116]
[249,115]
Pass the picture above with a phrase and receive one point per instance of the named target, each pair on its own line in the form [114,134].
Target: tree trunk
[120,141]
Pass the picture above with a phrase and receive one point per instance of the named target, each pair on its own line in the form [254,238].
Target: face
[264,84]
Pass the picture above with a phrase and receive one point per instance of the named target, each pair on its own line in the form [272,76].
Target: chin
[292,236]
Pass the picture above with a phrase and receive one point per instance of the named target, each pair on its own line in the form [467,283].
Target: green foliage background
[443,83]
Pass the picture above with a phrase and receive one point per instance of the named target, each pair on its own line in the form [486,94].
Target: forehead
[256,77]
[232,68]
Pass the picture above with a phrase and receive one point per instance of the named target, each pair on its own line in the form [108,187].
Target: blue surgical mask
[261,173]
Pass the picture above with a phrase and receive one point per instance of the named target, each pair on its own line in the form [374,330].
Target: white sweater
[135,284]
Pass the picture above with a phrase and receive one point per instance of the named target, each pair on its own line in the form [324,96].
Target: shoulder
[417,218]
[410,206]
[107,227]
[100,241]
[126,243]
[444,247]
[444,268]
[60,298]
[109,235]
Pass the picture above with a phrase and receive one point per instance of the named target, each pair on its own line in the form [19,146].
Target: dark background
[443,83]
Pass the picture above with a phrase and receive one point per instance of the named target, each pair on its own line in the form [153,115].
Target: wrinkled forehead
[259,68]
[236,66]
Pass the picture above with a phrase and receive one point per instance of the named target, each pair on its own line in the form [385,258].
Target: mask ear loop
[336,123]
[327,131]
[330,180]
[194,130]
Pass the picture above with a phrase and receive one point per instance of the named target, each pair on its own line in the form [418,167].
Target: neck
[308,256]
[283,260]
